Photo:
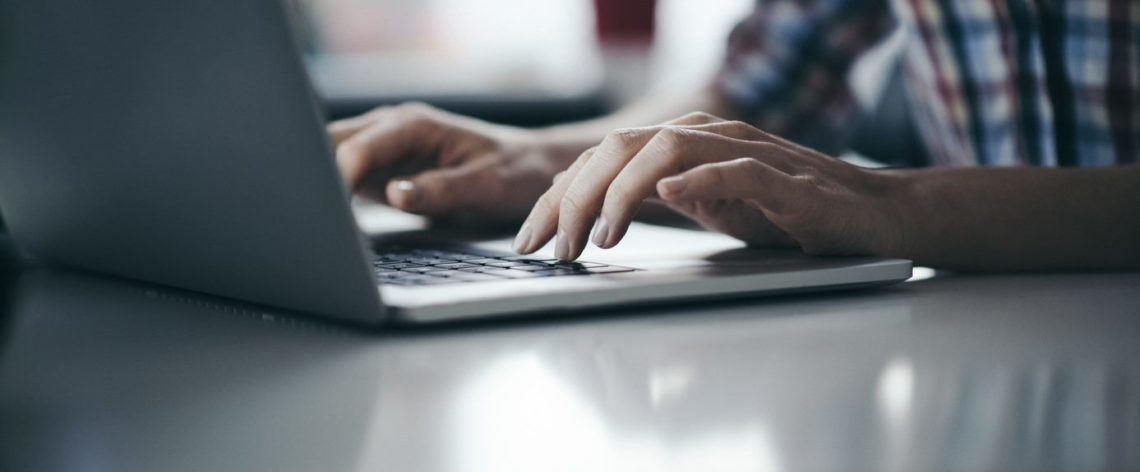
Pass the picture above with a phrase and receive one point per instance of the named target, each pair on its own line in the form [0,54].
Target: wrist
[906,204]
[561,145]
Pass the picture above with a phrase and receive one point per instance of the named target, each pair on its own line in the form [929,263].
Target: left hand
[726,175]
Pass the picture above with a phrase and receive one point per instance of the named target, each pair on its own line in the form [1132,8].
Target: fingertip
[403,194]
[568,246]
[522,244]
[672,188]
[616,233]
[562,246]
[607,235]
[601,232]
[339,131]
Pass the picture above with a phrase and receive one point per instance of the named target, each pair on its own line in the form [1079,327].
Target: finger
[749,179]
[341,130]
[732,129]
[542,223]
[444,190]
[736,129]
[695,118]
[406,132]
[805,154]
[569,208]
[344,129]
[669,152]
[737,219]
[582,200]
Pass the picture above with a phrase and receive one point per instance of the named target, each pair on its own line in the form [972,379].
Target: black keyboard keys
[413,267]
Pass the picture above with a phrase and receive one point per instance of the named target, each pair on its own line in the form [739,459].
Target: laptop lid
[177,142]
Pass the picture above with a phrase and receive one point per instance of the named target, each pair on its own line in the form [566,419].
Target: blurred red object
[625,21]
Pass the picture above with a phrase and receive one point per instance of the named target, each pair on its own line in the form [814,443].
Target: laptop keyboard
[405,266]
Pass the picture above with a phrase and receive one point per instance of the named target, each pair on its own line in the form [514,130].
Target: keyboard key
[533,268]
[411,275]
[481,269]
[568,265]
[474,277]
[460,257]
[516,274]
[518,258]
[457,265]
[557,272]
[398,265]
[485,260]
[430,260]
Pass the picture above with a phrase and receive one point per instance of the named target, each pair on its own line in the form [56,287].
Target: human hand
[726,175]
[427,161]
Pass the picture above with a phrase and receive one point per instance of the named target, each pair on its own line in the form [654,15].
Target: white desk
[1008,372]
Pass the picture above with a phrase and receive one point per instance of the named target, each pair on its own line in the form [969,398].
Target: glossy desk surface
[1004,372]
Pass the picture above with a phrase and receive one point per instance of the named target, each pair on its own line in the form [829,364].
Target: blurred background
[535,63]
[512,61]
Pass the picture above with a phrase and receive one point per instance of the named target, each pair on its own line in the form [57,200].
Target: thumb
[445,190]
[743,179]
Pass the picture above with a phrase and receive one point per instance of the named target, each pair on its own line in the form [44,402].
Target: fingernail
[410,194]
[601,232]
[562,247]
[673,185]
[522,241]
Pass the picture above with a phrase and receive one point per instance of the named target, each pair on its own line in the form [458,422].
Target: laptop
[179,142]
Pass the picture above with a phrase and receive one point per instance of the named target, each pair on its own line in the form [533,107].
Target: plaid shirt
[990,82]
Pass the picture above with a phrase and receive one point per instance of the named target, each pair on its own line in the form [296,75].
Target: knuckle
[412,108]
[671,142]
[717,175]
[584,157]
[752,166]
[740,127]
[546,204]
[571,206]
[765,148]
[619,193]
[417,121]
[809,180]
[699,117]
[350,150]
[622,137]
[378,111]
[558,177]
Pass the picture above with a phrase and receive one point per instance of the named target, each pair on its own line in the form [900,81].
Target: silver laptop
[179,142]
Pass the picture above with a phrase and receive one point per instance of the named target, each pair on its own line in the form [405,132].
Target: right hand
[427,161]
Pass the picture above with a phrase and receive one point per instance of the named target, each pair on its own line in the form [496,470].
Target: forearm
[1021,219]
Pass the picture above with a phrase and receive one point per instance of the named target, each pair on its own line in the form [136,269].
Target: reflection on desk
[963,373]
